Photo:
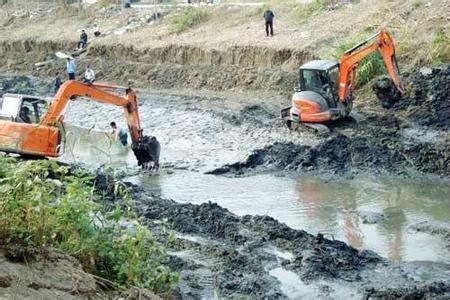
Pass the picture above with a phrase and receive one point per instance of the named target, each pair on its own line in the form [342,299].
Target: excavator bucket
[147,150]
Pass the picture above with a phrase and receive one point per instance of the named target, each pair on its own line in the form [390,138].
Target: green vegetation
[44,205]
[368,68]
[187,18]
[440,50]
[417,3]
[302,12]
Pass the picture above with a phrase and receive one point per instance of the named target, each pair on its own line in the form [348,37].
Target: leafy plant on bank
[440,49]
[43,205]
[302,12]
[187,18]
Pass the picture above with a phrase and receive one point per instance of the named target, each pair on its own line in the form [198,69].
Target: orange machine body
[326,87]
[30,139]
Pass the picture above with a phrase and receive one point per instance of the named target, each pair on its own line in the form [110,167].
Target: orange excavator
[30,126]
[326,87]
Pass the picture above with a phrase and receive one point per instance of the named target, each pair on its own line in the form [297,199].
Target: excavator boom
[349,62]
[96,92]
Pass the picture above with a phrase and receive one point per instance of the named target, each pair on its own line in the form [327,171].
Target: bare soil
[48,276]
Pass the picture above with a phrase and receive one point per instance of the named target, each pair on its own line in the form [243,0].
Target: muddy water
[331,207]
[336,208]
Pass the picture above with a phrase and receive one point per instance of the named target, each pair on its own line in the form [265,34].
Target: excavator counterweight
[29,126]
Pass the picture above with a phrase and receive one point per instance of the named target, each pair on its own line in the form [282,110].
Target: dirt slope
[228,50]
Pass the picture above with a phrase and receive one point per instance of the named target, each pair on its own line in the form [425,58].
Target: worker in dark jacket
[268,16]
[83,40]
[57,83]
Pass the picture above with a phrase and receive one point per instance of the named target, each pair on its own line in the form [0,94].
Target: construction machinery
[326,87]
[33,126]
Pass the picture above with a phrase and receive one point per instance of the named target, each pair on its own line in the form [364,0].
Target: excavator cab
[23,108]
[320,76]
[317,94]
[20,129]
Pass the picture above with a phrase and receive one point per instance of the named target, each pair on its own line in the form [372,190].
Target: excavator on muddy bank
[326,87]
[39,132]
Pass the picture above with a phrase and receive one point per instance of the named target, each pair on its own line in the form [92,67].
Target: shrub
[417,3]
[302,12]
[42,205]
[440,50]
[187,18]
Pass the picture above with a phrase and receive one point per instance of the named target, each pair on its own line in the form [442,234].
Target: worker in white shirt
[97,32]
[89,75]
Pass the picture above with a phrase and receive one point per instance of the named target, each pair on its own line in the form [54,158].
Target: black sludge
[147,150]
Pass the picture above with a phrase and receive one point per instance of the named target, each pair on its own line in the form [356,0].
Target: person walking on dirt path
[83,40]
[119,134]
[58,82]
[71,68]
[89,75]
[268,16]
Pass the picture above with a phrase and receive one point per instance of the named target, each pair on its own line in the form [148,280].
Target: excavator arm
[349,62]
[146,149]
[96,92]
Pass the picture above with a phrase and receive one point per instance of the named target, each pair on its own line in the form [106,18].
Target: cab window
[313,80]
[334,77]
[42,107]
[32,110]
[9,106]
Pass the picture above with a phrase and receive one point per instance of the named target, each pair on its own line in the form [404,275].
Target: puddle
[294,288]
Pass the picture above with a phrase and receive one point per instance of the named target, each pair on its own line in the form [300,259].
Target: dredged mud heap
[219,253]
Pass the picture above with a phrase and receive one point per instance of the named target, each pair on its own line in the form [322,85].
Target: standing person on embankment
[268,16]
[71,68]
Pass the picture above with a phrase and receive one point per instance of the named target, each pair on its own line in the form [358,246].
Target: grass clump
[440,49]
[417,3]
[187,18]
[302,12]
[43,205]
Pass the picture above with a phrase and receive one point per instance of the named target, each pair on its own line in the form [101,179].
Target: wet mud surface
[426,101]
[241,134]
[375,143]
[220,254]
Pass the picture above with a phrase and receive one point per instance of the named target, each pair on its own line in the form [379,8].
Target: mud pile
[426,101]
[375,144]
[23,85]
[234,256]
